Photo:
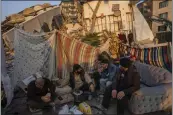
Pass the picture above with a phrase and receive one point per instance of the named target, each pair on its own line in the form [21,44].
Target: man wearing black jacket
[79,81]
[40,94]
[127,82]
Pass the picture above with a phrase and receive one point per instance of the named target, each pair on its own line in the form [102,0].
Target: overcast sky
[11,7]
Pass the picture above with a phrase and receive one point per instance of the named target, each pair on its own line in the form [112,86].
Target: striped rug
[157,56]
[71,51]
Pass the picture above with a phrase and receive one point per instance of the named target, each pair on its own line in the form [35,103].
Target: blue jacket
[110,72]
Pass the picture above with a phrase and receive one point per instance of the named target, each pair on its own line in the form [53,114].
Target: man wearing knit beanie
[127,82]
[125,63]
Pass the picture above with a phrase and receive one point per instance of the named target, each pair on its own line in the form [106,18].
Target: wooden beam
[90,7]
[94,16]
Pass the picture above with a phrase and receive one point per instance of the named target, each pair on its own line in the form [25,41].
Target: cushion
[64,90]
[152,75]
[151,99]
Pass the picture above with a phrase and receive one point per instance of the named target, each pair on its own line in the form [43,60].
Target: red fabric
[122,37]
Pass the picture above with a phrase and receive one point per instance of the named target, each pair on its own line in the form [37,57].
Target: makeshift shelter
[54,53]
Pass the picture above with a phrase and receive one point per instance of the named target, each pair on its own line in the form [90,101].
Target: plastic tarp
[5,78]
[143,31]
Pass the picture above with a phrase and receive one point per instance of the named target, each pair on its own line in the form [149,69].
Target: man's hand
[92,88]
[48,95]
[114,93]
[45,99]
[120,95]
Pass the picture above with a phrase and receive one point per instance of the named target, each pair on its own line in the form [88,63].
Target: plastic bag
[64,110]
[85,108]
[75,110]
[8,88]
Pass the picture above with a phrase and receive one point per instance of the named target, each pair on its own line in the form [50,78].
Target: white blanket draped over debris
[32,54]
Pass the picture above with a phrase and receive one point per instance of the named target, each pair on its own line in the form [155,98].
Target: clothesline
[156,45]
[151,46]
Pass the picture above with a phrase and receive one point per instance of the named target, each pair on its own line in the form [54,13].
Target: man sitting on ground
[79,80]
[107,73]
[127,82]
[40,94]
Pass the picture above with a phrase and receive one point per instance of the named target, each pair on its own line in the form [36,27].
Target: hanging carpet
[157,56]
[71,51]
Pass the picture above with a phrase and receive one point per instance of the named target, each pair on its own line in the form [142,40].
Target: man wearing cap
[107,73]
[116,62]
[127,82]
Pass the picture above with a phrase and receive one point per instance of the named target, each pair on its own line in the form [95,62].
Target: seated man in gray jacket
[107,72]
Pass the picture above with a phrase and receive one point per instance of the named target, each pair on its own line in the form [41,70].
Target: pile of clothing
[125,39]
[122,37]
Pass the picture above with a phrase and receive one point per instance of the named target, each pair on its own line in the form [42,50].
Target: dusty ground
[18,107]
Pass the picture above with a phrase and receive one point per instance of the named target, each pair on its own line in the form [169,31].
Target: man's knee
[108,83]
[102,81]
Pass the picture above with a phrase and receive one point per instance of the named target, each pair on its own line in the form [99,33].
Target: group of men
[117,81]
